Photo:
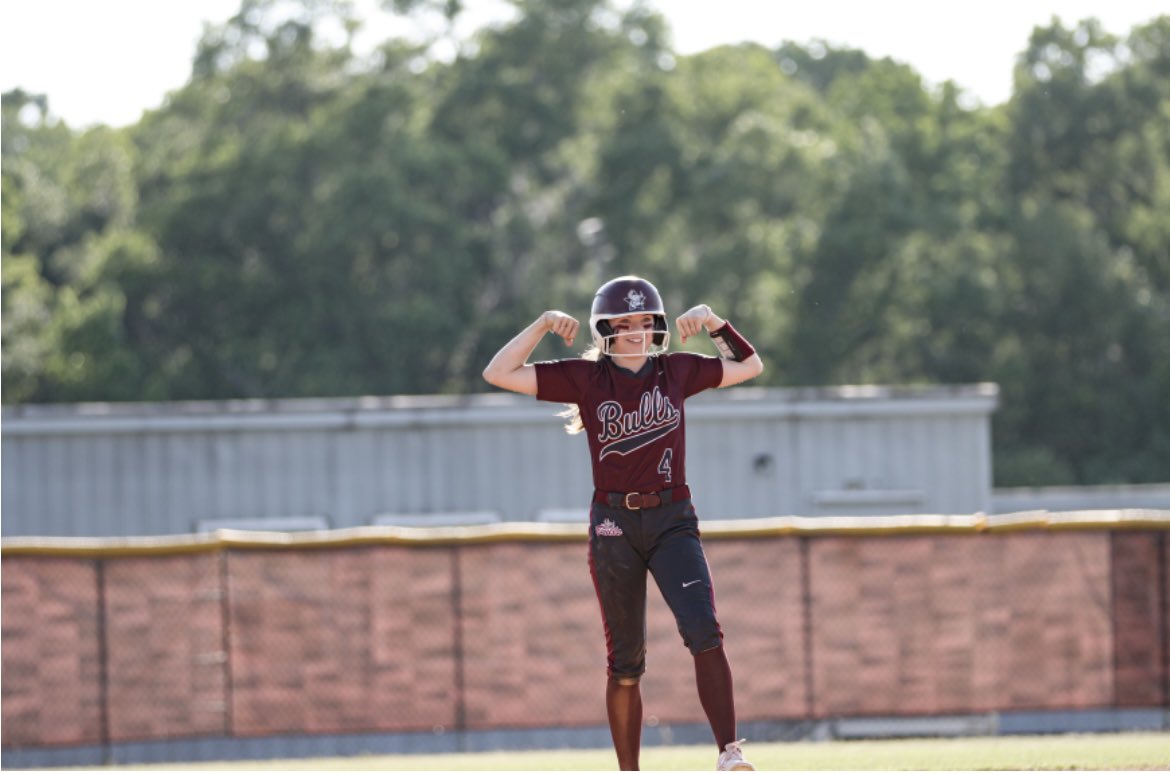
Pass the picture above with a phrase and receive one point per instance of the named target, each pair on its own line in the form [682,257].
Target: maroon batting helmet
[625,296]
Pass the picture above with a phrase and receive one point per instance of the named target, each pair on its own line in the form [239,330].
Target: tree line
[304,219]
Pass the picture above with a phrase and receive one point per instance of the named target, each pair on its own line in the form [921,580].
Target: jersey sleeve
[562,381]
[698,372]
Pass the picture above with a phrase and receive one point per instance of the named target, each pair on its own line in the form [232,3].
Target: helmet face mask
[623,297]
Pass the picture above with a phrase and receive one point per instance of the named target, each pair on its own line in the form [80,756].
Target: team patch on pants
[608,529]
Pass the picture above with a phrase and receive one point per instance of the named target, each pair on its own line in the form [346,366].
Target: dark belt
[634,501]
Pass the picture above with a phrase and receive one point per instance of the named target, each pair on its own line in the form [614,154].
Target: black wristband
[731,345]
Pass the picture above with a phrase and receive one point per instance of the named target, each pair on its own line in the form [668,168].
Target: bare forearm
[740,361]
[515,353]
[509,369]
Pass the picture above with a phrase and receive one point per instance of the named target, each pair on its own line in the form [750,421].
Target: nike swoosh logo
[692,583]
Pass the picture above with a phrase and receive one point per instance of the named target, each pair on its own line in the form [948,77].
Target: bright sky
[106,61]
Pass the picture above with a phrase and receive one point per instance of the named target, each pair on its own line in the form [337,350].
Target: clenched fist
[561,324]
[692,321]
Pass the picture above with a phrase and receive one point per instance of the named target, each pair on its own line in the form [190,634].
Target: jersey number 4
[664,463]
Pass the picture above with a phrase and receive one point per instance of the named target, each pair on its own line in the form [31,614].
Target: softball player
[627,393]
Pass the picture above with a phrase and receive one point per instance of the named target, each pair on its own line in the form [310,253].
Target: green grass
[1097,751]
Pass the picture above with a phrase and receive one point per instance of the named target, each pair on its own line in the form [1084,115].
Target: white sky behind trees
[106,62]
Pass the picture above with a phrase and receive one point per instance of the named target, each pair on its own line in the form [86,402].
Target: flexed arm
[510,370]
[740,361]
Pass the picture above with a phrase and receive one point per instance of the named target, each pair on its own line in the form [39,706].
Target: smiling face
[632,337]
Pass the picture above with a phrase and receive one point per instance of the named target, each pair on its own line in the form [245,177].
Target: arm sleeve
[699,372]
[561,381]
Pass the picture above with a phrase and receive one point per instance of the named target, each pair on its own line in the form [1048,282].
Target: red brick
[1139,605]
[51,677]
[165,656]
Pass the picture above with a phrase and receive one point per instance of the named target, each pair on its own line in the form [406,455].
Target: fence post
[806,626]
[225,607]
[103,662]
[1164,593]
[457,648]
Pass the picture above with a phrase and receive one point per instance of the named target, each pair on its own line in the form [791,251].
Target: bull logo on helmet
[636,299]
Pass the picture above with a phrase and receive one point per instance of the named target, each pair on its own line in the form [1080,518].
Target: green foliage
[69,202]
[297,220]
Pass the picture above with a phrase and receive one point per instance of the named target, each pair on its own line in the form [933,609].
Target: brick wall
[386,638]
[1141,593]
[164,644]
[51,678]
[944,624]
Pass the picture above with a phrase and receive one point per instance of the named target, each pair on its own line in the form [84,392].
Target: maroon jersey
[635,422]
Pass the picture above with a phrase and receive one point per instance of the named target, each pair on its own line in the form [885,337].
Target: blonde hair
[572,413]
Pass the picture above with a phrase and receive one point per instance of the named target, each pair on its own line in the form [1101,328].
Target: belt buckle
[626,501]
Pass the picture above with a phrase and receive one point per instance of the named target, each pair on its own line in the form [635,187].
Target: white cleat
[731,759]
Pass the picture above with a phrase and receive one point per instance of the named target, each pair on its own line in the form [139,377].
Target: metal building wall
[148,469]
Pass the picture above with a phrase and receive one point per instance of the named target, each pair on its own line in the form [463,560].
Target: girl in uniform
[627,394]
